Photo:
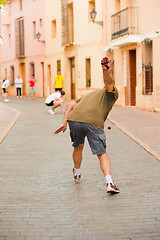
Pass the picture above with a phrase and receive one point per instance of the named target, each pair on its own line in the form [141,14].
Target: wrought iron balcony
[124,22]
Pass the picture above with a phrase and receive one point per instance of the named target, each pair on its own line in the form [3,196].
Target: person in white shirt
[54,100]
[5,87]
[18,83]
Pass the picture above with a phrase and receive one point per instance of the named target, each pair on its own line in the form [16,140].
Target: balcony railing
[124,22]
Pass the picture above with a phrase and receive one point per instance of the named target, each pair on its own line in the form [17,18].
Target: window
[53,29]
[67,23]
[12,75]
[20,5]
[9,36]
[40,22]
[147,74]
[58,65]
[34,30]
[32,69]
[5,72]
[88,72]
[19,37]
[91,5]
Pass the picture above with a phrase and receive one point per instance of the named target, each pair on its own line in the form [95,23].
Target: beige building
[70,41]
[132,40]
[74,44]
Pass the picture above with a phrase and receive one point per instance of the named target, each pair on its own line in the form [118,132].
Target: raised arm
[107,78]
[63,127]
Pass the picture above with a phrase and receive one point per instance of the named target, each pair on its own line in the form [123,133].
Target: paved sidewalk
[142,126]
[39,200]
[8,117]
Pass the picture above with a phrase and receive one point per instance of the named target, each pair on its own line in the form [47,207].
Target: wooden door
[132,68]
[23,76]
[42,63]
[49,80]
[72,72]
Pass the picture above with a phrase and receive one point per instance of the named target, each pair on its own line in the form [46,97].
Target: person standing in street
[5,87]
[86,117]
[55,100]
[58,83]
[32,82]
[18,83]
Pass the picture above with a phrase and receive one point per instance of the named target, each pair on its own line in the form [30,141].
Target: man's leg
[55,105]
[77,156]
[77,159]
[105,164]
[20,92]
[6,95]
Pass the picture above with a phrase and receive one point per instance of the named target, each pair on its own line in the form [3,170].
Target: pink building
[22,54]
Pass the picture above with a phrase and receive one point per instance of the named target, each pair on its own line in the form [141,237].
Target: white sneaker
[76,177]
[111,188]
[6,100]
[51,111]
[17,96]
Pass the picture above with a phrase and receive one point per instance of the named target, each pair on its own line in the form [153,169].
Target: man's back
[94,107]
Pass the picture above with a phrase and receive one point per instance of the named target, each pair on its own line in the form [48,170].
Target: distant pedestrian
[18,83]
[5,87]
[86,117]
[2,83]
[32,82]
[54,100]
[58,83]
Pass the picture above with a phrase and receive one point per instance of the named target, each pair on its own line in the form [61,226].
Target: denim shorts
[96,137]
[32,89]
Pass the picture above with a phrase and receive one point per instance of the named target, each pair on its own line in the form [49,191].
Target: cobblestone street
[39,201]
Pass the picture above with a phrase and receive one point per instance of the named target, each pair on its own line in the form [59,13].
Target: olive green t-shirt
[94,107]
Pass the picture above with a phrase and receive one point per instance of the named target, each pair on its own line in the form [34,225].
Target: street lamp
[93,15]
[38,36]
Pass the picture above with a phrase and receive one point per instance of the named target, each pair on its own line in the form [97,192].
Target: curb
[10,124]
[137,140]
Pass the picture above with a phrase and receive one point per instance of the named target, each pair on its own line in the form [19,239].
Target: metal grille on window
[19,37]
[147,68]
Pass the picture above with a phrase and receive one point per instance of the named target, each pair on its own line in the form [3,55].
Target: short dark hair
[33,75]
[62,92]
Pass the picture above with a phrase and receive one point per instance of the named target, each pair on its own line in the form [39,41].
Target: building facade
[72,42]
[69,41]
[132,40]
[21,53]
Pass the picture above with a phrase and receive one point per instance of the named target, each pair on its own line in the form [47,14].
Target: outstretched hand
[62,128]
[106,64]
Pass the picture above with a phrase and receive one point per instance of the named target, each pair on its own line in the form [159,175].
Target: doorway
[48,80]
[72,77]
[130,76]
[132,68]
[42,64]
[23,76]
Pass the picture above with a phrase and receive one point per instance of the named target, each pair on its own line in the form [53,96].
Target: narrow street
[39,200]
